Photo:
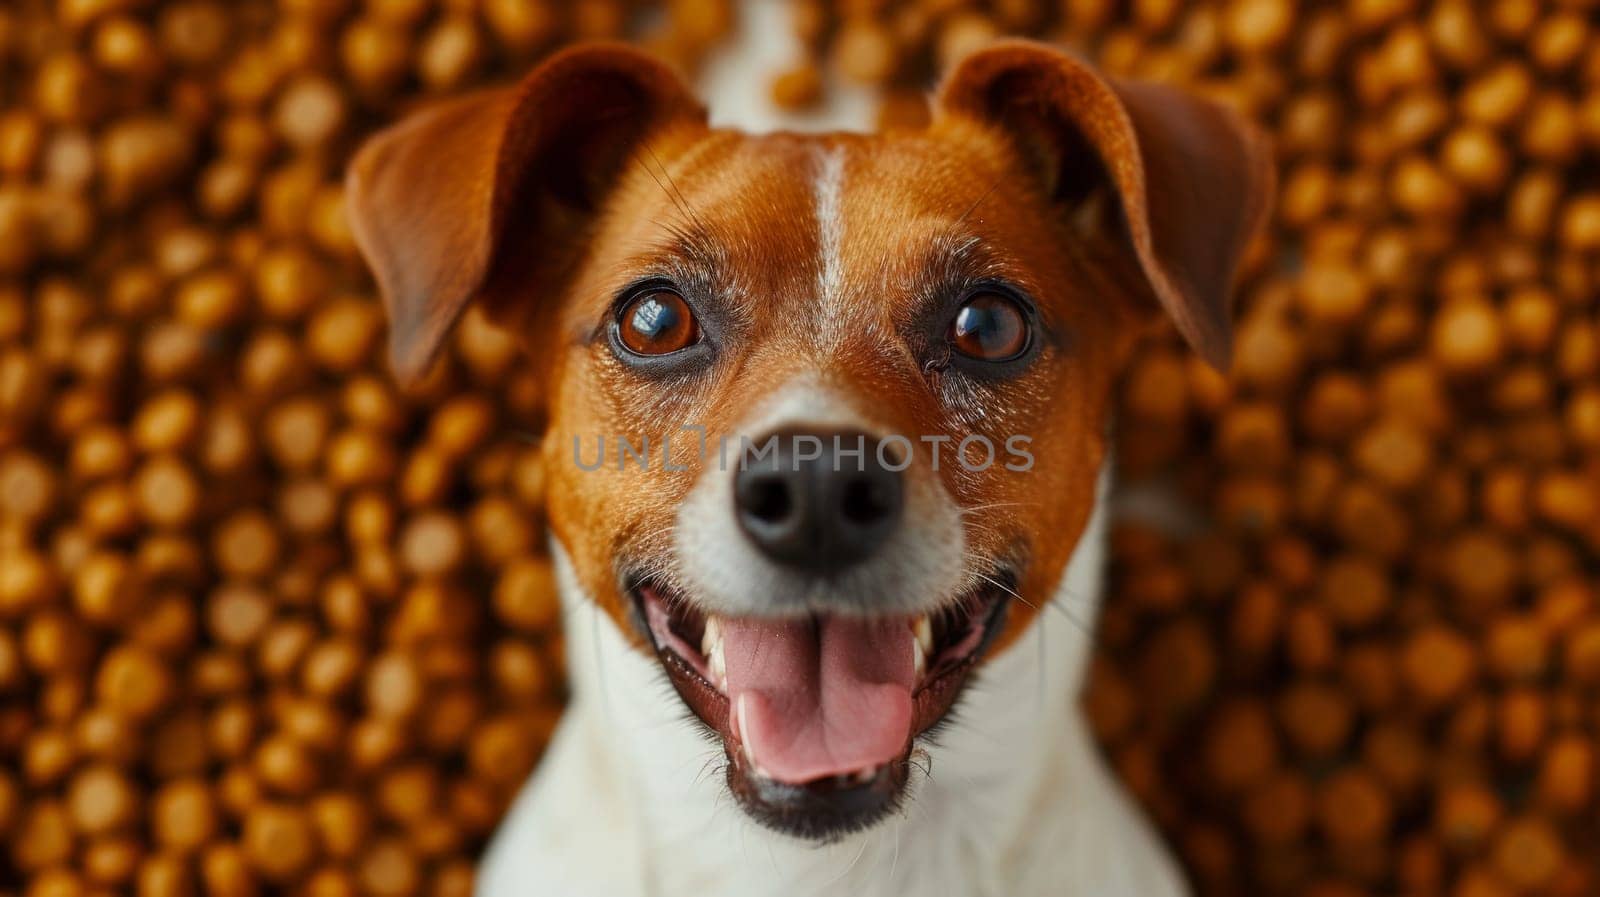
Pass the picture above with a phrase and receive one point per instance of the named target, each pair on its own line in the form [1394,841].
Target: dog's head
[847,394]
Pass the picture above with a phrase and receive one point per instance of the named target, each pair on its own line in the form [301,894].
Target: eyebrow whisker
[670,187]
[993,186]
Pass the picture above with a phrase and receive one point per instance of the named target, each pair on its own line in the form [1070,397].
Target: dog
[805,656]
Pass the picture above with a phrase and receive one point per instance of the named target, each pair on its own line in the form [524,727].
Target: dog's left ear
[500,185]
[1193,180]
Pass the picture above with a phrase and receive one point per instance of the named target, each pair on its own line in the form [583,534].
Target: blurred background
[268,626]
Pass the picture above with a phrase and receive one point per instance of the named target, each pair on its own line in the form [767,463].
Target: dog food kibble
[268,625]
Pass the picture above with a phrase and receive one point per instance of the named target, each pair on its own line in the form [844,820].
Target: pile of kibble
[268,625]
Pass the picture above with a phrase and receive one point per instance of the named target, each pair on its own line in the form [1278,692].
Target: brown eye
[657,323]
[990,327]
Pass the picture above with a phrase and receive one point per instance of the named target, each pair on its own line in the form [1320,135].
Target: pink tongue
[823,697]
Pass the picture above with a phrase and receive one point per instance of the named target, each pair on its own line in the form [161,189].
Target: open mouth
[818,715]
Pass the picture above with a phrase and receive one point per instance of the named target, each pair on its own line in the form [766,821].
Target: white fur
[629,799]
[829,190]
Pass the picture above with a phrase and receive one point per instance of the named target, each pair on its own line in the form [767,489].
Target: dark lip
[824,811]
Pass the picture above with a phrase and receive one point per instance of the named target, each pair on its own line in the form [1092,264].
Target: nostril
[865,501]
[768,500]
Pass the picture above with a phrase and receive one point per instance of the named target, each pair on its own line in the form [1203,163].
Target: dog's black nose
[819,501]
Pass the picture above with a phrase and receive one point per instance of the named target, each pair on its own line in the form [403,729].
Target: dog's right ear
[1193,181]
[441,201]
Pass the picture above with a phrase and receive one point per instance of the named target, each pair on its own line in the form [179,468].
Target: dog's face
[825,414]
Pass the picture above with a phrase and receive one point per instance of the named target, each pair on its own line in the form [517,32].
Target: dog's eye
[658,322]
[990,327]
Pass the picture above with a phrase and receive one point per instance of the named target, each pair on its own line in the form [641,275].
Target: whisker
[977,202]
[846,871]
[674,194]
[1052,605]
[993,505]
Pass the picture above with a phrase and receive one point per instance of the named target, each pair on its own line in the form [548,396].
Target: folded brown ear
[1194,180]
[435,200]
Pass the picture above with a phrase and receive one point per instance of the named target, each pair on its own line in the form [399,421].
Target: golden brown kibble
[1498,95]
[866,51]
[1529,317]
[194,33]
[125,46]
[1241,746]
[330,882]
[1517,648]
[310,111]
[183,815]
[502,750]
[342,822]
[27,580]
[449,53]
[47,756]
[111,860]
[1466,337]
[520,24]
[53,642]
[408,794]
[1394,452]
[106,589]
[66,89]
[388,869]
[141,155]
[133,683]
[332,667]
[426,478]
[1352,808]
[246,545]
[1527,853]
[284,765]
[525,596]
[1438,663]
[359,457]
[1422,190]
[1566,774]
[167,493]
[342,334]
[797,88]
[211,300]
[164,875]
[1465,815]
[1579,226]
[100,799]
[283,646]
[225,869]
[432,544]
[393,685]
[308,507]
[1477,159]
[278,842]
[226,186]
[374,742]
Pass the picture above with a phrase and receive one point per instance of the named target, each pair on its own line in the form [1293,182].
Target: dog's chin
[856,770]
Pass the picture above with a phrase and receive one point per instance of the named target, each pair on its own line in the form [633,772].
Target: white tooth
[922,630]
[711,649]
[744,739]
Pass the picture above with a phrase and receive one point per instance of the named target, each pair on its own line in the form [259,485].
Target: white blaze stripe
[829,188]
